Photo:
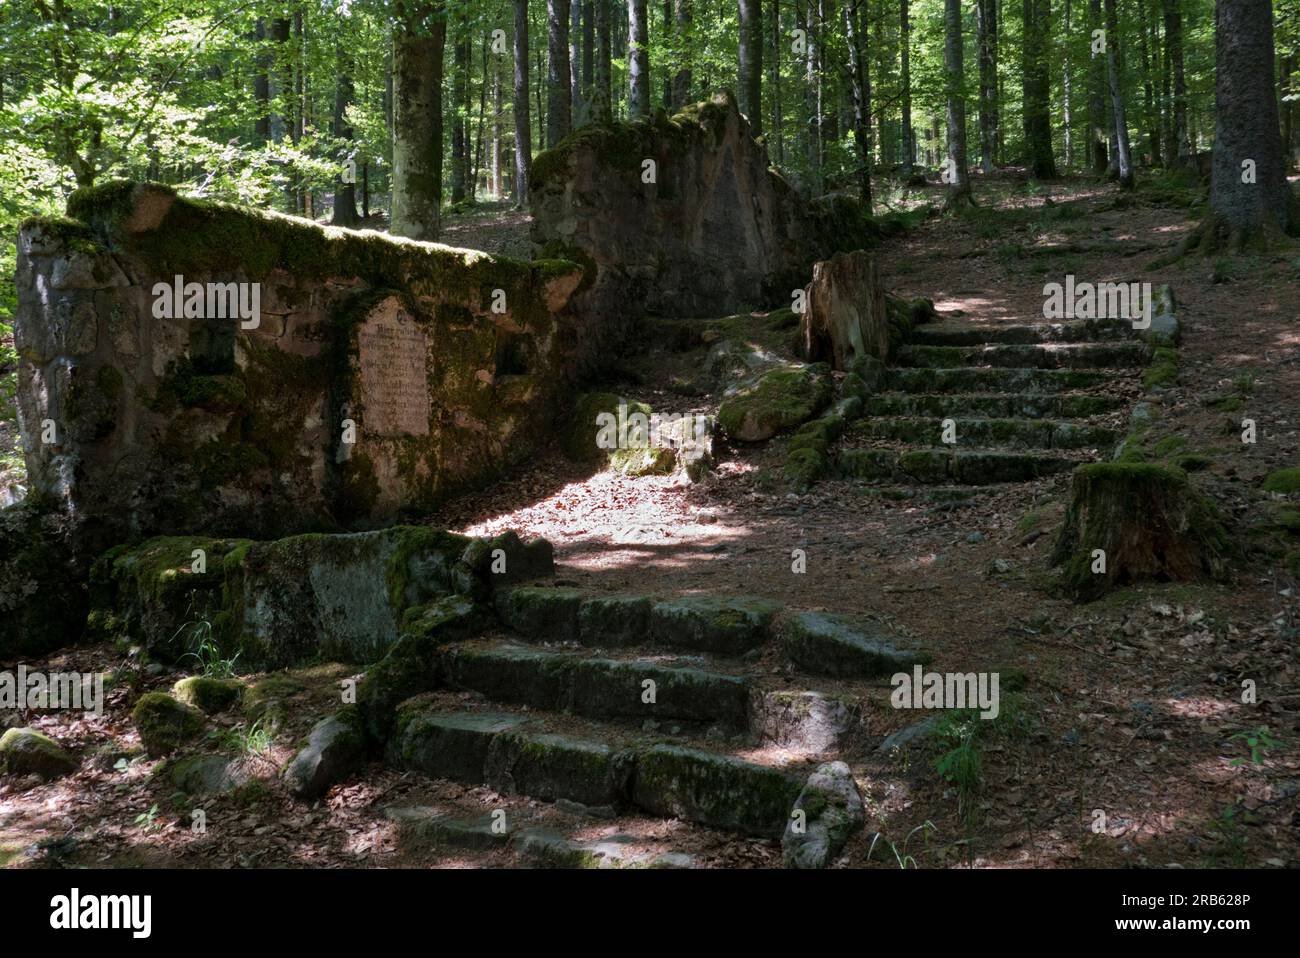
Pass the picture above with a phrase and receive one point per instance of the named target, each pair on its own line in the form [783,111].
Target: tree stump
[844,314]
[1129,522]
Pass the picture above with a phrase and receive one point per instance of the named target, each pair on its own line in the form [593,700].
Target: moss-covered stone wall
[680,216]
[443,361]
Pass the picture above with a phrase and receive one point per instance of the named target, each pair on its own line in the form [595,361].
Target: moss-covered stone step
[515,754]
[1016,433]
[715,624]
[716,790]
[549,848]
[421,825]
[597,687]
[977,379]
[965,334]
[1040,356]
[1020,406]
[938,467]
[845,647]
[313,597]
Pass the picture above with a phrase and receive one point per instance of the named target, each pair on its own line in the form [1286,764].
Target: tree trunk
[345,193]
[498,110]
[1148,89]
[860,84]
[262,87]
[558,103]
[589,50]
[1287,121]
[282,118]
[578,107]
[750,80]
[602,108]
[1180,148]
[1096,97]
[954,81]
[682,79]
[1117,99]
[774,82]
[460,110]
[1248,208]
[417,121]
[523,119]
[1067,111]
[905,87]
[813,95]
[987,19]
[1037,90]
[638,55]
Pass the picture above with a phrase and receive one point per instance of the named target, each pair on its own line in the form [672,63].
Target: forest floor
[1133,702]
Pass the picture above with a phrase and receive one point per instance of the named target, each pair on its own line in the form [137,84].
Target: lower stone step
[845,647]
[991,379]
[1042,356]
[514,754]
[535,845]
[1016,433]
[966,334]
[1067,406]
[936,466]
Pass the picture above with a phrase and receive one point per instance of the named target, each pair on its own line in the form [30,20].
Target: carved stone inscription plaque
[393,351]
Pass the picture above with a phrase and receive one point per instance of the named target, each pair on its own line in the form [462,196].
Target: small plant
[1231,832]
[212,663]
[148,821]
[961,765]
[1258,741]
[903,858]
[254,739]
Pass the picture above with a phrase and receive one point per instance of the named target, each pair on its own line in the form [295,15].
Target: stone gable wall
[200,425]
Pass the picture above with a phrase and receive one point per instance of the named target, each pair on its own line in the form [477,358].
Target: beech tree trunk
[417,120]
[958,176]
[558,102]
[987,20]
[1125,157]
[1097,153]
[905,87]
[523,118]
[860,84]
[345,193]
[638,55]
[750,80]
[603,105]
[1180,148]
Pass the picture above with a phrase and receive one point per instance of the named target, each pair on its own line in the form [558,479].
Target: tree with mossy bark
[1250,202]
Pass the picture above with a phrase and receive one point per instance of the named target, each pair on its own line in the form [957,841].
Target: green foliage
[1260,743]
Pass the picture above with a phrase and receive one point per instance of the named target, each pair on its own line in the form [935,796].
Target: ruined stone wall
[710,230]
[444,361]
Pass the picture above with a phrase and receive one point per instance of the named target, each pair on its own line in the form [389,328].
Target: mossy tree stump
[1129,522]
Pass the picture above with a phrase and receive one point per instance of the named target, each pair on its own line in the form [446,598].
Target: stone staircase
[710,710]
[1021,401]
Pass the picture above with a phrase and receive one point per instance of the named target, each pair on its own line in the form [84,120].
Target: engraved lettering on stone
[394,381]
